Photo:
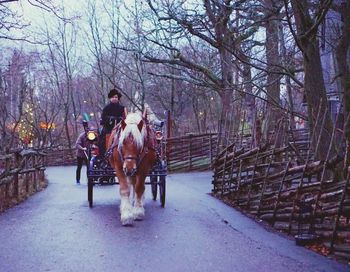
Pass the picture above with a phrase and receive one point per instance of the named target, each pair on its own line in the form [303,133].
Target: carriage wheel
[154,186]
[162,190]
[90,192]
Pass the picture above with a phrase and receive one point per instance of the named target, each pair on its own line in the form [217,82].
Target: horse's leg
[126,209]
[139,210]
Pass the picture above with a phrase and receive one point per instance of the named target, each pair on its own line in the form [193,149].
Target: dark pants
[102,142]
[80,162]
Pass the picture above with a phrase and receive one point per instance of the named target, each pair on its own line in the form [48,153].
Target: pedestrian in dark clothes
[81,146]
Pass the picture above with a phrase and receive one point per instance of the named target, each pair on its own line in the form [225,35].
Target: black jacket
[112,114]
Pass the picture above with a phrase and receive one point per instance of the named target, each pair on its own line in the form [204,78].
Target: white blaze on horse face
[129,167]
[133,123]
[130,154]
[132,137]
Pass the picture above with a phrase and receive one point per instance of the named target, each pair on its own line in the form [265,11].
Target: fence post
[15,178]
[190,152]
[210,150]
[36,173]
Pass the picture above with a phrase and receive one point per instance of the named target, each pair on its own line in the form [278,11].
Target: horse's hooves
[139,213]
[127,222]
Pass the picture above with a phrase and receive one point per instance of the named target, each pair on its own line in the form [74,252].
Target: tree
[308,16]
[272,11]
[342,45]
[12,19]
[212,24]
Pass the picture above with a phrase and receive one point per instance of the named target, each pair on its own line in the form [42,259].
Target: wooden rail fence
[60,157]
[21,175]
[287,189]
[193,152]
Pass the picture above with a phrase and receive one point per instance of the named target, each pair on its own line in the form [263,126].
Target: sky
[35,18]
[77,9]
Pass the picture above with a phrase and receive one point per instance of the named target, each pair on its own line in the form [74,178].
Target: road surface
[55,230]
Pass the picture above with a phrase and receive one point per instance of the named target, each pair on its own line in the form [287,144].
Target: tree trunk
[315,93]
[272,60]
[341,54]
[314,86]
[226,90]
[220,21]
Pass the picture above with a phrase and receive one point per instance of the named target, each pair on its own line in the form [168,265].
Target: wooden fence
[60,157]
[193,152]
[21,175]
[287,189]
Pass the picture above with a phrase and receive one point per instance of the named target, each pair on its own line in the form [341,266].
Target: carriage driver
[112,114]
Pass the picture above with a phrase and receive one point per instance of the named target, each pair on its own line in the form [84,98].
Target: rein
[114,143]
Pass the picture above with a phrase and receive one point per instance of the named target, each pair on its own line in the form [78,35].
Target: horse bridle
[138,159]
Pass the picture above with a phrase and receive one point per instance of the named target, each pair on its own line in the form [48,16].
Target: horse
[133,156]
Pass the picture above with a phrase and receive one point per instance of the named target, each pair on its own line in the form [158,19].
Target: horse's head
[131,143]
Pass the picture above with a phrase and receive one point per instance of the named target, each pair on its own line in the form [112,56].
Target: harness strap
[114,142]
[147,146]
[144,153]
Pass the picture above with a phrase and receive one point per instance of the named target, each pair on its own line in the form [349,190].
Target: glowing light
[25,126]
[47,126]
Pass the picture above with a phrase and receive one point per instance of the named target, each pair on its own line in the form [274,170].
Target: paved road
[55,230]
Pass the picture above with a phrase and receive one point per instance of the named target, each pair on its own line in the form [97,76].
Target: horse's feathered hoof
[127,221]
[139,213]
[127,215]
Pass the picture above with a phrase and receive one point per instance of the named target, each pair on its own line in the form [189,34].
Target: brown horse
[132,158]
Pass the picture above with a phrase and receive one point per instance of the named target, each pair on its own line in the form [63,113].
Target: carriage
[100,172]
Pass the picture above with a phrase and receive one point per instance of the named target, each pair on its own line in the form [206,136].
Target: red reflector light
[159,135]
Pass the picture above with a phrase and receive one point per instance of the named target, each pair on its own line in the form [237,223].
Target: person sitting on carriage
[112,114]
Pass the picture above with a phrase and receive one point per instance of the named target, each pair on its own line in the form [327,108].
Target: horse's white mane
[132,120]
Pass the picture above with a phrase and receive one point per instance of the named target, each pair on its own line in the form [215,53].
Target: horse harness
[115,143]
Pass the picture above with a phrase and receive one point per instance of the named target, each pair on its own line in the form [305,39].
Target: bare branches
[11,19]
[180,60]
[321,12]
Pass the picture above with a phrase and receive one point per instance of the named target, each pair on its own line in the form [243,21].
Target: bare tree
[342,47]
[61,50]
[213,26]
[272,11]
[12,19]
[308,16]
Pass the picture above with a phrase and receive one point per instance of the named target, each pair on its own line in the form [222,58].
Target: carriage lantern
[91,135]
[158,133]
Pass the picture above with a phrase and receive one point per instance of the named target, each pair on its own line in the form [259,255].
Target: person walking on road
[81,146]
